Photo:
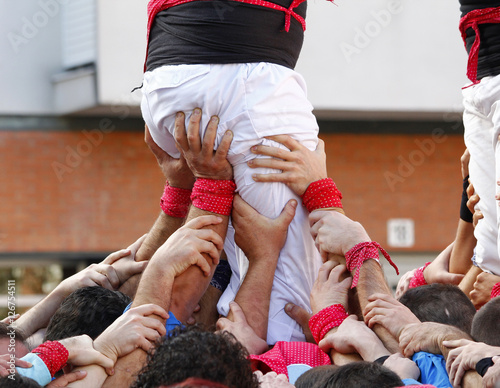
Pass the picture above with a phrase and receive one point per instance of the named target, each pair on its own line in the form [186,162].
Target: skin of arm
[190,286]
[335,233]
[463,249]
[261,239]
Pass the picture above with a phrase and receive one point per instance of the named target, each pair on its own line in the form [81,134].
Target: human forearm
[463,248]
[162,229]
[39,316]
[255,293]
[190,286]
[371,281]
[96,376]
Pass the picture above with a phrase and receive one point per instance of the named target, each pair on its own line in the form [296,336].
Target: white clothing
[482,127]
[252,100]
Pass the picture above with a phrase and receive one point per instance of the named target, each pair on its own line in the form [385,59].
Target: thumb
[297,313]
[238,314]
[105,362]
[288,212]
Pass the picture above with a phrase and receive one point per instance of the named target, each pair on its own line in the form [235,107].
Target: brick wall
[97,191]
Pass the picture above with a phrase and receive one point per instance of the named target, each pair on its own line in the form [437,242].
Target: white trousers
[253,100]
[482,127]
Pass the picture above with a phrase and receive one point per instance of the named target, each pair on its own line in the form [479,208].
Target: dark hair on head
[88,310]
[194,382]
[192,352]
[485,324]
[361,374]
[441,303]
[315,377]
[6,329]
[18,381]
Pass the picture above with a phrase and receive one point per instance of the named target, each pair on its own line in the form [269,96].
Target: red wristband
[418,279]
[213,195]
[322,194]
[175,201]
[495,291]
[328,318]
[53,354]
[362,252]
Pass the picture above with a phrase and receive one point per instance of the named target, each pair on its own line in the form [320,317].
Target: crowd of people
[253,275]
[147,316]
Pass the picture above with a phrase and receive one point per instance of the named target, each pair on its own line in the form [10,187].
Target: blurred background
[77,181]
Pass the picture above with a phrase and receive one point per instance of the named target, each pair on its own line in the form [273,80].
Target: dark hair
[485,323]
[361,374]
[441,303]
[315,377]
[18,381]
[193,382]
[6,329]
[88,310]
[192,352]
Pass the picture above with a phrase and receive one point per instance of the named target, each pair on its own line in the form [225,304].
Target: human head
[18,381]
[361,374]
[88,310]
[315,377]
[12,340]
[485,323]
[192,352]
[196,383]
[441,303]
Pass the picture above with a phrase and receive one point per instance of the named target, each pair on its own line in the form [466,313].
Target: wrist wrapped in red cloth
[214,195]
[322,194]
[418,279]
[53,354]
[361,252]
[328,318]
[495,291]
[175,201]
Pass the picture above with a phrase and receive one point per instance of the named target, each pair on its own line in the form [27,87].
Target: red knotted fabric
[361,252]
[472,20]
[322,194]
[175,201]
[325,320]
[418,279]
[213,195]
[53,354]
[495,291]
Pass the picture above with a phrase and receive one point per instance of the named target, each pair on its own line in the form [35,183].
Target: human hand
[102,275]
[259,236]
[353,336]
[483,285]
[385,310]
[272,380]
[402,366]
[81,352]
[464,355]
[328,289]
[427,337]
[438,271]
[464,163]
[200,156]
[335,233]
[301,316]
[404,283]
[184,248]
[243,332]
[134,329]
[474,199]
[123,261]
[9,320]
[67,378]
[300,167]
[492,375]
[176,171]
[6,365]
